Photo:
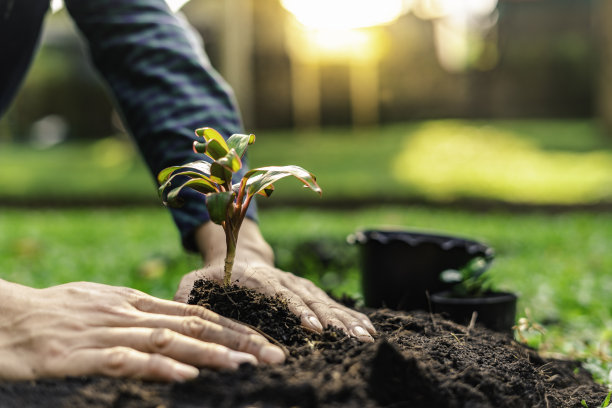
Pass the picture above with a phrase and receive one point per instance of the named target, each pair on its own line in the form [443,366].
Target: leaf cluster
[224,199]
[470,280]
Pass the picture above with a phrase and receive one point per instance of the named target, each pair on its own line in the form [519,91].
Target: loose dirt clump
[417,360]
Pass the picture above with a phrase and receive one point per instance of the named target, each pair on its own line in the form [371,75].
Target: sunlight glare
[460,32]
[175,5]
[56,5]
[345,14]
[340,45]
[455,159]
[432,9]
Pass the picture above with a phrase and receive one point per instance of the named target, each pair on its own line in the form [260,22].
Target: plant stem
[230,241]
[231,226]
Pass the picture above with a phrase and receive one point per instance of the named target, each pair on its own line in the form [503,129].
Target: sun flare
[344,14]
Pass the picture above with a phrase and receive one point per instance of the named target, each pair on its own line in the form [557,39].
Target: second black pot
[495,310]
[398,267]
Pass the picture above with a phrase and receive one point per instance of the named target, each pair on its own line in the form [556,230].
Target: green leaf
[231,161]
[188,173]
[211,134]
[216,150]
[218,204]
[606,402]
[220,174]
[199,165]
[164,175]
[451,276]
[199,147]
[240,142]
[267,192]
[263,177]
[200,185]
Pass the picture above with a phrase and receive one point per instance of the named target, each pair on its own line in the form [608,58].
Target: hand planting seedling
[469,281]
[227,203]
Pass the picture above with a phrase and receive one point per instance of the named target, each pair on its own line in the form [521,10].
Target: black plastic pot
[399,267]
[495,310]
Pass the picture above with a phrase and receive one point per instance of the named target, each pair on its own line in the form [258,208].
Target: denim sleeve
[163,85]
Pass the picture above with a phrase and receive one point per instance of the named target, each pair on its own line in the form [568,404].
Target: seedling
[227,203]
[469,281]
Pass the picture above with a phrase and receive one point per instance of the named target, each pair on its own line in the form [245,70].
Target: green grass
[558,264]
[528,161]
[137,248]
[523,161]
[108,168]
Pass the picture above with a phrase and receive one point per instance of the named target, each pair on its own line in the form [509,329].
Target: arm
[166,89]
[85,328]
[163,85]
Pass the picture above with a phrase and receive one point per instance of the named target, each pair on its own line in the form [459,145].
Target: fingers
[317,310]
[312,305]
[122,362]
[206,331]
[185,286]
[357,320]
[174,345]
[202,324]
[151,304]
[333,314]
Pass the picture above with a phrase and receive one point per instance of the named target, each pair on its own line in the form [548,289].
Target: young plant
[227,203]
[470,280]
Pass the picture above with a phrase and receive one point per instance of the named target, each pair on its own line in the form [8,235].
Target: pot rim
[493,297]
[415,237]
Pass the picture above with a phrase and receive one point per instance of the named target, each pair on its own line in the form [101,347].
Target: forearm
[163,84]
[161,81]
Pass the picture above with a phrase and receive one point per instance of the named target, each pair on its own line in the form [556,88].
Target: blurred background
[490,119]
[436,90]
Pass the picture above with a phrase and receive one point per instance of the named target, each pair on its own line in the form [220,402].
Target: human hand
[253,268]
[87,328]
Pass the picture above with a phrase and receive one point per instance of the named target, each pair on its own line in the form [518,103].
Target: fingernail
[272,355]
[370,326]
[238,358]
[184,372]
[315,324]
[361,333]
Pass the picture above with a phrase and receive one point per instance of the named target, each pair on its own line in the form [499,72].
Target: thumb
[184,288]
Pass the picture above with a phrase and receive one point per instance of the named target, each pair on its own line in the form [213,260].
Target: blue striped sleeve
[163,85]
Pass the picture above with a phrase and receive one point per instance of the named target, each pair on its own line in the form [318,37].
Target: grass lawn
[558,264]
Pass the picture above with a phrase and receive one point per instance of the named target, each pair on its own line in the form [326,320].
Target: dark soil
[418,360]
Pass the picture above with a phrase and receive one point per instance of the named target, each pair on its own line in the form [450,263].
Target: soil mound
[418,360]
